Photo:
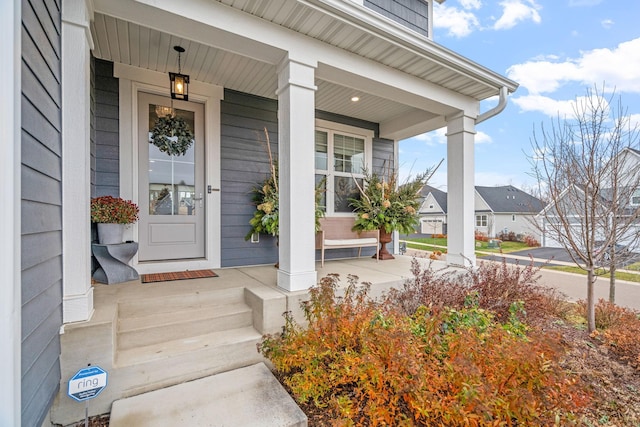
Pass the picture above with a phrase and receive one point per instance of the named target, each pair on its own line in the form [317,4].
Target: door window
[171,177]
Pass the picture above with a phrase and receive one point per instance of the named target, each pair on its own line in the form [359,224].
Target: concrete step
[246,397]
[142,307]
[158,327]
[220,344]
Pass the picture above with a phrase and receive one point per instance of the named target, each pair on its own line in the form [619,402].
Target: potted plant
[266,196]
[112,214]
[387,206]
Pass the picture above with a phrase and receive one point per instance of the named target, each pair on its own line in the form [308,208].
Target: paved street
[570,284]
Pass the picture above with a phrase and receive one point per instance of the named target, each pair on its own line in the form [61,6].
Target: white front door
[170,187]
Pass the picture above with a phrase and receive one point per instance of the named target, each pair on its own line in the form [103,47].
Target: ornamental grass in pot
[388,206]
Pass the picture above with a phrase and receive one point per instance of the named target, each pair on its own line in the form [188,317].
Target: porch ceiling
[433,82]
[129,43]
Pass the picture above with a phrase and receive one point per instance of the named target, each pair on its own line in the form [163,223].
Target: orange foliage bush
[370,364]
[619,328]
[479,235]
[531,241]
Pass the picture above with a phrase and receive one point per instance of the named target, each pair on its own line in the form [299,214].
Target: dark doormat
[176,275]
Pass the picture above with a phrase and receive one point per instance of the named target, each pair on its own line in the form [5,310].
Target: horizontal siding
[410,13]
[41,208]
[244,164]
[106,133]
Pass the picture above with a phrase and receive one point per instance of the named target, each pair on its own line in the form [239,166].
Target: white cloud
[577,3]
[483,138]
[551,107]
[515,11]
[458,23]
[471,4]
[607,23]
[619,67]
[439,137]
[436,137]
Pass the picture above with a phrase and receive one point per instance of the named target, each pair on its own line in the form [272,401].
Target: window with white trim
[341,155]
[635,198]
[481,220]
[513,217]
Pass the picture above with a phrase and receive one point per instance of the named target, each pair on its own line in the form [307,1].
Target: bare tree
[590,174]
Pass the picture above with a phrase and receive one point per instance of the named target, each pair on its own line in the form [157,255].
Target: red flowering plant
[113,210]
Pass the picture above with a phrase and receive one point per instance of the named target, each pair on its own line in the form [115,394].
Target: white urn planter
[110,234]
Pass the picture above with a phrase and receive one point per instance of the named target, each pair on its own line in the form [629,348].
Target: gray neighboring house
[85,80]
[631,163]
[497,209]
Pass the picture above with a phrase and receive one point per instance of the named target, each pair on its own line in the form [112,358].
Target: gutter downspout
[502,103]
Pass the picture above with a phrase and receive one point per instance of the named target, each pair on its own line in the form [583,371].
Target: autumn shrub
[531,241]
[619,328]
[497,285]
[508,236]
[370,364]
[480,236]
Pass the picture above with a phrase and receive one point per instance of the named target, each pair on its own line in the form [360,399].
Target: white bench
[335,233]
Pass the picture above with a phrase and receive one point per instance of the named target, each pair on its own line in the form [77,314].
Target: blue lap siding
[41,207]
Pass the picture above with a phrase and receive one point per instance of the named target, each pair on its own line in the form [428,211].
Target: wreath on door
[171,134]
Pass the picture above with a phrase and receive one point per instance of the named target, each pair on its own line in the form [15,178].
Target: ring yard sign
[87,383]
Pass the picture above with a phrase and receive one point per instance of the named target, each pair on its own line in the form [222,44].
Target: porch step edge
[177,347]
[202,312]
[142,307]
[184,325]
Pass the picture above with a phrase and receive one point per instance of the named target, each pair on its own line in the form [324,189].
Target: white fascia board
[410,125]
[385,28]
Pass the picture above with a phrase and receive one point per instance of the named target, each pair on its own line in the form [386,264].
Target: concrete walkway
[248,397]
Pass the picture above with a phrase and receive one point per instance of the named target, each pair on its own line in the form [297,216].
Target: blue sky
[555,50]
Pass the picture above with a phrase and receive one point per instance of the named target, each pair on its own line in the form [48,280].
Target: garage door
[432,226]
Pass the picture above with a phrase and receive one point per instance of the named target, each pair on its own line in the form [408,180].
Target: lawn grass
[620,275]
[431,244]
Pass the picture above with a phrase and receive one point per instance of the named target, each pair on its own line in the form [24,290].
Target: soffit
[356,29]
[132,44]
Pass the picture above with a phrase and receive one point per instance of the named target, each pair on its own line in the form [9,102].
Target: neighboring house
[506,209]
[630,164]
[337,84]
[497,210]
[433,211]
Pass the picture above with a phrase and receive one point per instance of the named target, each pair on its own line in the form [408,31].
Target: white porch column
[296,127]
[460,190]
[77,304]
[10,205]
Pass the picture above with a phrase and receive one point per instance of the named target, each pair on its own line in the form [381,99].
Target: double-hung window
[341,155]
[635,198]
[481,220]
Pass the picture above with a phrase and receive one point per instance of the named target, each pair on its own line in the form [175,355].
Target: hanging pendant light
[179,81]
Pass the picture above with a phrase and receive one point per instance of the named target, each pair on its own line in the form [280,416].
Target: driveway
[549,257]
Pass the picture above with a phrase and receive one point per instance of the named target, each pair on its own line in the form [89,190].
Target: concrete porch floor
[156,364]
